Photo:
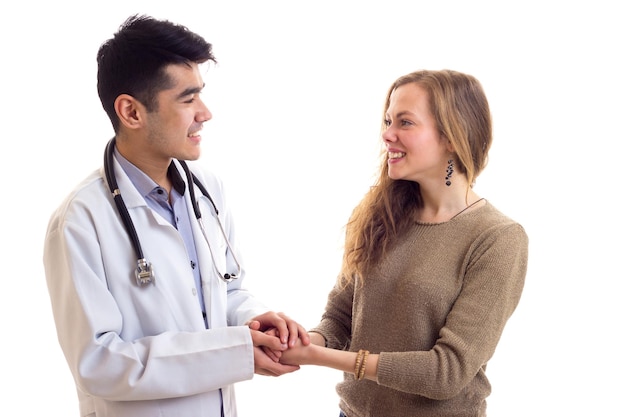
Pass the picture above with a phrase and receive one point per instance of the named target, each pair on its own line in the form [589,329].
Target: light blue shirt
[175,213]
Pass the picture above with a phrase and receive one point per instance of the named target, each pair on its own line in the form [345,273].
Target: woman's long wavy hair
[460,108]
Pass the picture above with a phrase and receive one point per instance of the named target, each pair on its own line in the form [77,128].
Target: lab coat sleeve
[178,359]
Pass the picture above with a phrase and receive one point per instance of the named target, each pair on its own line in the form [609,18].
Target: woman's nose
[388,135]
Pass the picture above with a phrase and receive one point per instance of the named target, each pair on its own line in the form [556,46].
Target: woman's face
[416,149]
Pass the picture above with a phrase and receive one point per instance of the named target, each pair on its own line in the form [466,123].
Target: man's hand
[267,351]
[264,365]
[267,340]
[288,330]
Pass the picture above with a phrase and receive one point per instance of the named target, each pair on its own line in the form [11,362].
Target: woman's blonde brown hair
[460,108]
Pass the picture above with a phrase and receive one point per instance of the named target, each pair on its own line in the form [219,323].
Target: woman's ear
[449,146]
[130,111]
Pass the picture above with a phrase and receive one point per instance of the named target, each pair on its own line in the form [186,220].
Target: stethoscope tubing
[119,201]
[144,272]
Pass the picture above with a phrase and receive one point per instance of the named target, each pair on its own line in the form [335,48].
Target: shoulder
[87,196]
[495,218]
[495,225]
[89,192]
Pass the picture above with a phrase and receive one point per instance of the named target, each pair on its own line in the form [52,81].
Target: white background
[297,100]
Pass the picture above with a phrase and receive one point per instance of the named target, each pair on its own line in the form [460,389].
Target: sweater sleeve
[493,278]
[336,322]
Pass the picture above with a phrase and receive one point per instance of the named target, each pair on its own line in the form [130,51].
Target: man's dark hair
[133,61]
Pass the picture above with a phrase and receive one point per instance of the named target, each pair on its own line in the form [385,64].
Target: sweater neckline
[457,216]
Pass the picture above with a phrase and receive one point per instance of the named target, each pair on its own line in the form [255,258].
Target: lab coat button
[194,292]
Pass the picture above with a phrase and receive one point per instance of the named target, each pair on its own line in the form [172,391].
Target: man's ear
[130,111]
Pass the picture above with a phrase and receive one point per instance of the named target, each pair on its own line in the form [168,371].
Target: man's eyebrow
[190,91]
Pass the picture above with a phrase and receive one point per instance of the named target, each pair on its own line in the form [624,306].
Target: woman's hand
[300,354]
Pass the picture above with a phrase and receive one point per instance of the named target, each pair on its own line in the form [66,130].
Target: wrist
[360,364]
[317,339]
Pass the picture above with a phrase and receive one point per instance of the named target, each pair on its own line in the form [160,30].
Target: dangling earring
[449,171]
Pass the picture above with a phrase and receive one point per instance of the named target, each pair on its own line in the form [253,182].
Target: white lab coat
[144,351]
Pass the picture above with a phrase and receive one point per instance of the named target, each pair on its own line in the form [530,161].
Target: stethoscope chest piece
[144,273]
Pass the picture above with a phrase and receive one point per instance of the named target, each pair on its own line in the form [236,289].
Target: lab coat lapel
[214,289]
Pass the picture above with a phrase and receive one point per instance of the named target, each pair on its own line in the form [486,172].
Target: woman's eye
[387,123]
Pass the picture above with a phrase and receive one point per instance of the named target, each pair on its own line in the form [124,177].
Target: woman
[431,270]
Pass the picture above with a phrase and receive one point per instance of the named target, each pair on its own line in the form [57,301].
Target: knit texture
[434,309]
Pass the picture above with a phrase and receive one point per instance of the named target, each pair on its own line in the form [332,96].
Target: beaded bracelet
[362,370]
[359,365]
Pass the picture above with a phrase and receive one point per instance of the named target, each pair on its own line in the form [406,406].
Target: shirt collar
[143,182]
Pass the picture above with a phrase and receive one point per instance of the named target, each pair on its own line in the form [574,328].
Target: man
[142,268]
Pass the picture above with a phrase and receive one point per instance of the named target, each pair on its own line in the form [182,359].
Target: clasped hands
[272,335]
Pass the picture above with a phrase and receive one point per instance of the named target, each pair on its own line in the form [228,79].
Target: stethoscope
[144,273]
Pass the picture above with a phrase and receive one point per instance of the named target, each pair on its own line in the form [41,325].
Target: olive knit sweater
[434,309]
